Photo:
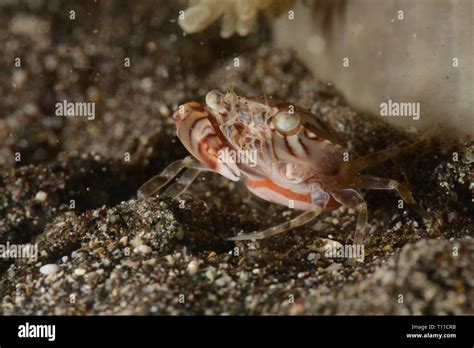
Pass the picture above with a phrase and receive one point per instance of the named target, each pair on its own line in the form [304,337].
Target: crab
[299,161]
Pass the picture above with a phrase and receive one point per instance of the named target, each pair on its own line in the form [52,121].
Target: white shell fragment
[193,267]
[143,249]
[79,271]
[41,196]
[49,269]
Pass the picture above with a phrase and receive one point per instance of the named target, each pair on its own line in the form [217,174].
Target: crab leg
[353,199]
[373,159]
[183,182]
[319,201]
[374,183]
[153,185]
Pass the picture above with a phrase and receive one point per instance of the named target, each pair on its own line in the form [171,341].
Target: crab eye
[286,123]
[214,99]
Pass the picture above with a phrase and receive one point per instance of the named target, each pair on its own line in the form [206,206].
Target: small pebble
[169,259]
[301,275]
[223,281]
[41,196]
[211,274]
[123,240]
[143,249]
[136,242]
[193,267]
[49,269]
[79,271]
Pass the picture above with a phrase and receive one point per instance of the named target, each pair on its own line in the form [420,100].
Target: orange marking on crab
[281,190]
[303,199]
